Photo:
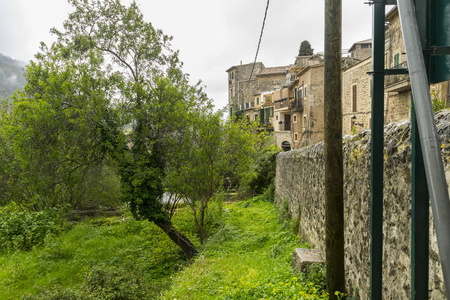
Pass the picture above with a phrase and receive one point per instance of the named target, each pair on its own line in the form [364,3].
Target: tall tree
[305,49]
[48,137]
[108,70]
[153,95]
[211,151]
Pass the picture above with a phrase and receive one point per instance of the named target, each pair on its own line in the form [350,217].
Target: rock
[303,258]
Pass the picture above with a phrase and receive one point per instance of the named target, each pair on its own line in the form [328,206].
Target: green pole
[334,193]
[420,213]
[420,206]
[377,149]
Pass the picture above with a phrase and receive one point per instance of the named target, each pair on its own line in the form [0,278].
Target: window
[354,97]
[305,92]
[396,60]
[257,100]
[295,119]
[295,94]
[295,137]
[276,118]
[300,94]
[256,117]
[365,46]
[304,122]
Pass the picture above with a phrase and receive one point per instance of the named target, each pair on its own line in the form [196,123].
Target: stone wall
[300,181]
[356,75]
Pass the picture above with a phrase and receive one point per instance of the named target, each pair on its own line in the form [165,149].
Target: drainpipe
[429,141]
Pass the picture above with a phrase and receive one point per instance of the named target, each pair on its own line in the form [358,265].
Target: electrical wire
[257,51]
[259,43]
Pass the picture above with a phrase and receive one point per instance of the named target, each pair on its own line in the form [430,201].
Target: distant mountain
[11,75]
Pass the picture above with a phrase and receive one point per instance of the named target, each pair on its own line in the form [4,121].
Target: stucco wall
[300,181]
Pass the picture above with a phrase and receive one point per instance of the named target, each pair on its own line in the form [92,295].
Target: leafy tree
[264,167]
[305,49]
[211,151]
[48,136]
[153,97]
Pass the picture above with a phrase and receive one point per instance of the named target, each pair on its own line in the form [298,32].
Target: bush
[103,282]
[264,166]
[317,274]
[22,231]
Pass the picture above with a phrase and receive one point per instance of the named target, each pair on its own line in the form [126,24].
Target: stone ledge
[303,258]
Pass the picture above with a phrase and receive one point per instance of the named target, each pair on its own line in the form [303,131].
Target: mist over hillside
[11,75]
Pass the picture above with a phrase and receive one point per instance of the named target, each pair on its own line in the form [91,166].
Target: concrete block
[303,258]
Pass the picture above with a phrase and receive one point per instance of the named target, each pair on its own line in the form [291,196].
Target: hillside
[11,75]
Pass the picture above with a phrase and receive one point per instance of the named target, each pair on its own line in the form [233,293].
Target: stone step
[303,258]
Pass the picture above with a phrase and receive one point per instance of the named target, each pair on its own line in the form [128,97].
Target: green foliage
[23,231]
[437,102]
[103,258]
[305,49]
[48,133]
[264,167]
[317,274]
[211,152]
[249,257]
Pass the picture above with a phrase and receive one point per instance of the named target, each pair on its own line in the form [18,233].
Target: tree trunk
[201,228]
[178,238]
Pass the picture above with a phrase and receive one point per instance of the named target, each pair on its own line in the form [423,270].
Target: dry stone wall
[300,181]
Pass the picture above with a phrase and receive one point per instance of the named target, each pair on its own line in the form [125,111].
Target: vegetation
[62,139]
[305,49]
[211,151]
[107,115]
[247,257]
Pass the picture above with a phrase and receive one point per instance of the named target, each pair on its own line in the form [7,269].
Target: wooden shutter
[354,95]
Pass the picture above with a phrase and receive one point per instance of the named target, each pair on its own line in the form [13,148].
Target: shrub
[264,166]
[22,231]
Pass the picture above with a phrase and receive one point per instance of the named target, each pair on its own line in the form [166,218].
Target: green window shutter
[396,60]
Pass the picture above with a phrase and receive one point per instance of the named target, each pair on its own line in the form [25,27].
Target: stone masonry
[300,182]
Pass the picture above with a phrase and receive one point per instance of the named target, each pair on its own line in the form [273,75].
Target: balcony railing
[297,105]
[281,103]
[398,78]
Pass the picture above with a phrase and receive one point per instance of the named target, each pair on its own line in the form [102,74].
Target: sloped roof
[274,71]
[368,41]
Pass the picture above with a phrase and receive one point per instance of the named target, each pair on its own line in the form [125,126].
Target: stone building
[356,97]
[397,87]
[361,50]
[357,84]
[282,118]
[241,85]
[307,106]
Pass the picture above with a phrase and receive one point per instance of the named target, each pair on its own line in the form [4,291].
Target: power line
[257,51]
[259,43]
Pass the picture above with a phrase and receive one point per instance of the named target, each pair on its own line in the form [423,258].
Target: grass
[247,257]
[71,260]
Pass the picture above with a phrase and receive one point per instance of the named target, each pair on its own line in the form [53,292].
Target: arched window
[286,146]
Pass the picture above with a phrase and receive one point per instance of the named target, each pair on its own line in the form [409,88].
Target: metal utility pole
[429,141]
[377,153]
[334,191]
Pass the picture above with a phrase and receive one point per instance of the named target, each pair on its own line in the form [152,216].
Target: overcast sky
[212,35]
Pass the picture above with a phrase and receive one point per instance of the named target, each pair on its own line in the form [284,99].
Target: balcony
[267,103]
[283,103]
[398,82]
[297,105]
